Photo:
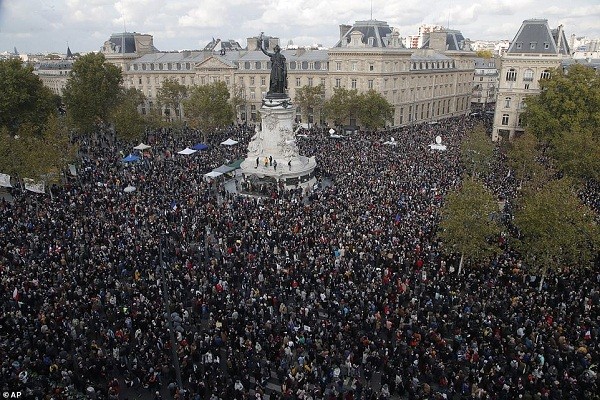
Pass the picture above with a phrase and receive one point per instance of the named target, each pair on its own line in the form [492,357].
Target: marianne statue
[278,82]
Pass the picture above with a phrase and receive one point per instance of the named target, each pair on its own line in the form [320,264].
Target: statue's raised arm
[262,48]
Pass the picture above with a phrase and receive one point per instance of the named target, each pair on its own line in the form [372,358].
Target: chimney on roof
[437,40]
[559,43]
[273,41]
[252,43]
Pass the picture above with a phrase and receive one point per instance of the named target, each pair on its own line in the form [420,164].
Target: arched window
[504,119]
[507,102]
[292,64]
[528,75]
[511,75]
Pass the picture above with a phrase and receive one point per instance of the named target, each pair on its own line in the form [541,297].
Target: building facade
[54,74]
[534,52]
[485,83]
[425,84]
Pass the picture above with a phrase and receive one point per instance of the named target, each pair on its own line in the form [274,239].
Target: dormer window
[371,41]
[519,45]
[532,45]
[546,46]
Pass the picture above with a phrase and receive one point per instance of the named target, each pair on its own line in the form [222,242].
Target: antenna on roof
[449,10]
[371,10]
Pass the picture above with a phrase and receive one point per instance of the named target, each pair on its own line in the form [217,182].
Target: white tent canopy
[5,180]
[229,142]
[187,151]
[213,174]
[142,146]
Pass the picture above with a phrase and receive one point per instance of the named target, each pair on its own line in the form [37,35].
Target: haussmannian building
[426,84]
[485,83]
[534,52]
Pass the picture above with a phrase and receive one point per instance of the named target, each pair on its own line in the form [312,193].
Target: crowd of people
[343,292]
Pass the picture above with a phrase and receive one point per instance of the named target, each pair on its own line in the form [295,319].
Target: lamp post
[166,301]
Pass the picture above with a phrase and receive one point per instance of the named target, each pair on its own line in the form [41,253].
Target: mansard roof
[455,41]
[374,33]
[536,37]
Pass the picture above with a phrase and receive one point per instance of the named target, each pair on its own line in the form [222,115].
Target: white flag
[33,186]
[5,180]
[72,169]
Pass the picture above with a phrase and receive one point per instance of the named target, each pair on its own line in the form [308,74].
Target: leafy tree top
[467,225]
[23,97]
[555,228]
[92,91]
[568,101]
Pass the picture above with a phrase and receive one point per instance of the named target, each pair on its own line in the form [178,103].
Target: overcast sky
[48,25]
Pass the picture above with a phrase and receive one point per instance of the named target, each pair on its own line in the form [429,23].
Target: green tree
[578,154]
[129,124]
[477,152]
[568,102]
[523,155]
[468,225]
[208,107]
[92,91]
[23,97]
[32,154]
[310,97]
[374,110]
[487,54]
[556,229]
[170,94]
[565,117]
[341,106]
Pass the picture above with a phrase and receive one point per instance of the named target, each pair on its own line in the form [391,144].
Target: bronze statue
[278,82]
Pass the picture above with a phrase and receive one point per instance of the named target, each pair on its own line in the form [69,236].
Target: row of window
[511,75]
[532,45]
[161,67]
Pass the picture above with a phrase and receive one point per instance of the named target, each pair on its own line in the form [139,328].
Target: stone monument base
[296,172]
[273,154]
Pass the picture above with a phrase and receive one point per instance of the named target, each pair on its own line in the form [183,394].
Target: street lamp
[166,301]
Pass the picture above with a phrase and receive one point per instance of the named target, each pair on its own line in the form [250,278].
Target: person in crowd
[337,293]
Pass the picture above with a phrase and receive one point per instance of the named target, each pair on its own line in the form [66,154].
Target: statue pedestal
[273,154]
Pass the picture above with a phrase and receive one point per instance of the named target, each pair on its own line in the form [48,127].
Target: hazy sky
[48,25]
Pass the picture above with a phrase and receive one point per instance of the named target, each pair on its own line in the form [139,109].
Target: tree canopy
[555,229]
[92,91]
[565,117]
[370,108]
[208,108]
[342,105]
[310,97]
[484,54]
[129,124]
[477,152]
[374,110]
[468,226]
[568,101]
[23,98]
[170,94]
[32,154]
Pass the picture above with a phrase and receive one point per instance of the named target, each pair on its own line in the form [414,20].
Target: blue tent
[131,158]
[200,146]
